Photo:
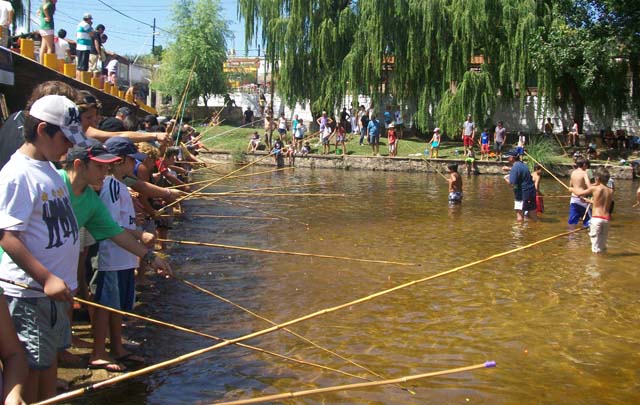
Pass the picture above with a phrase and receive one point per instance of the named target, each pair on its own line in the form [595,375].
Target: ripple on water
[561,323]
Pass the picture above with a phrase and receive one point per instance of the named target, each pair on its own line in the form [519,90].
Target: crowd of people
[294,136]
[591,195]
[86,48]
[79,185]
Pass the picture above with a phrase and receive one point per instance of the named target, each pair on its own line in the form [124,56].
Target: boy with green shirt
[85,167]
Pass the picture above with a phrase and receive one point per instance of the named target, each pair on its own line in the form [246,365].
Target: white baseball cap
[60,111]
[436,130]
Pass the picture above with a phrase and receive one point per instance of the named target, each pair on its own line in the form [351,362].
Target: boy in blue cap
[115,279]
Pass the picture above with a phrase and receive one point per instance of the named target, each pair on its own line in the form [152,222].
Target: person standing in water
[455,184]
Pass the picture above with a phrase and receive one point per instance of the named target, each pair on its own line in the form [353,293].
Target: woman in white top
[282,126]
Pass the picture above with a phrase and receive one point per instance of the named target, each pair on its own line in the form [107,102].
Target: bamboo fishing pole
[283,252]
[227,131]
[435,169]
[307,226]
[258,194]
[560,143]
[211,183]
[233,177]
[546,170]
[233,202]
[224,216]
[291,332]
[298,394]
[191,331]
[184,94]
[312,315]
[248,190]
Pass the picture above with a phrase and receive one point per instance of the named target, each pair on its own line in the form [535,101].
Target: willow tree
[200,34]
[305,43]
[329,48]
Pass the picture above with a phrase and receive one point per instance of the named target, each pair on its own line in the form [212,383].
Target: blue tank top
[135,168]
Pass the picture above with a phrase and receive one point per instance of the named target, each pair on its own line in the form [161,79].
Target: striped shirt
[83,36]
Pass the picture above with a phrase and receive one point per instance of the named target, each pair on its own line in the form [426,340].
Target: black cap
[512,153]
[124,147]
[111,124]
[126,111]
[97,153]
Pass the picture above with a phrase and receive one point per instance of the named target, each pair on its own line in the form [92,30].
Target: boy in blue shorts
[40,240]
[115,276]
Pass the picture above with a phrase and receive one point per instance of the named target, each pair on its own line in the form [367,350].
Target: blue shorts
[116,289]
[282,131]
[455,197]
[576,213]
[374,139]
[43,327]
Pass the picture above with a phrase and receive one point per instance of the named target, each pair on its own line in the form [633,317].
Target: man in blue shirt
[524,190]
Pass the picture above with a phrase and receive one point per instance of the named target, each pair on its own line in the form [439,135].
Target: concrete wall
[401,164]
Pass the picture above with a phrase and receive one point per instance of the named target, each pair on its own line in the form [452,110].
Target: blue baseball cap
[120,146]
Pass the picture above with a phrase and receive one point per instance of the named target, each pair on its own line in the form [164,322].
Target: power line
[131,18]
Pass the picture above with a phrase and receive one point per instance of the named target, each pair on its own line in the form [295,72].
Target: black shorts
[83,60]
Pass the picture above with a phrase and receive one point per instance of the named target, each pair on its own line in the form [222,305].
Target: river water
[561,323]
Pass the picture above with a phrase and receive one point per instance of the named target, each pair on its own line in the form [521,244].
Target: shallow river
[561,323]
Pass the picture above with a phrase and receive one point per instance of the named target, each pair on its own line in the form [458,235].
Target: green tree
[200,35]
[329,48]
[450,57]
[583,56]
[18,12]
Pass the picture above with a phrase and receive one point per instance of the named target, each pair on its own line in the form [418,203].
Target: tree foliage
[18,12]
[449,57]
[200,35]
[583,56]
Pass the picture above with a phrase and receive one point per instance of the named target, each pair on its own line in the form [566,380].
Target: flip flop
[110,366]
[131,358]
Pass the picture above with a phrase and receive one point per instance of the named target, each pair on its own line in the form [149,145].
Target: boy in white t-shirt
[41,234]
[115,278]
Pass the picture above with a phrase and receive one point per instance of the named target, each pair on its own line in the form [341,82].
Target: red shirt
[391,134]
[162,166]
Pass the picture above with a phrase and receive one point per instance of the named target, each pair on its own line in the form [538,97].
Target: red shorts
[467,140]
[539,204]
[484,148]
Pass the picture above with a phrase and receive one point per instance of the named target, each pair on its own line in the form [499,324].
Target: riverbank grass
[234,140]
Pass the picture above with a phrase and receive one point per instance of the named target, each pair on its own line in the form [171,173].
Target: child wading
[455,184]
[601,213]
[537,176]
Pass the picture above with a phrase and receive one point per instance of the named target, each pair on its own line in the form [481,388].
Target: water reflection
[560,322]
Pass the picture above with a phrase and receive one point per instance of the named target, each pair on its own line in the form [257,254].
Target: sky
[130,37]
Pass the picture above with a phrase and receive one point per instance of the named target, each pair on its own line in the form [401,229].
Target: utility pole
[28,16]
[153,38]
